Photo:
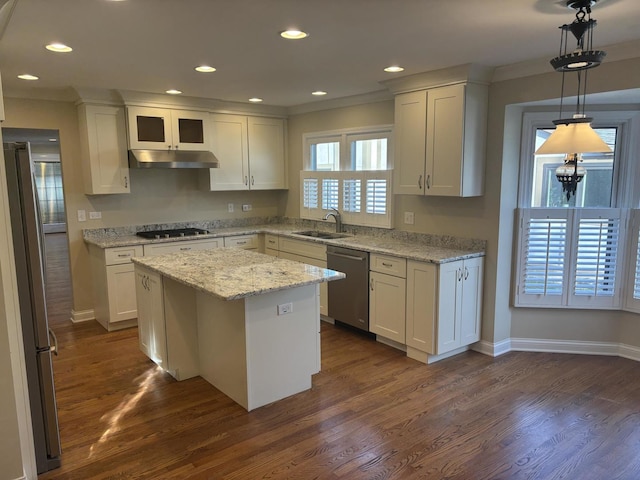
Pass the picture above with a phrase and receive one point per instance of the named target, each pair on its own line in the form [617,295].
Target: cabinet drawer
[118,255]
[389,265]
[242,241]
[271,241]
[181,246]
[306,249]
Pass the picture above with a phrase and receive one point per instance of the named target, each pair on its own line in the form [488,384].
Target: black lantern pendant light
[574,136]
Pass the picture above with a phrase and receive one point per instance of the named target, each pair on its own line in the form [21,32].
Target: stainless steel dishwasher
[349,298]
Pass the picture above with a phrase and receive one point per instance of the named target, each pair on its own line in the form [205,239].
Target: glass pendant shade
[574,137]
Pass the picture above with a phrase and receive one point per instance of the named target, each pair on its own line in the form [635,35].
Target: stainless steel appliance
[172,233]
[349,298]
[28,246]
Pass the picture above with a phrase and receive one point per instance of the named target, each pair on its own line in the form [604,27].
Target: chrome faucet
[336,215]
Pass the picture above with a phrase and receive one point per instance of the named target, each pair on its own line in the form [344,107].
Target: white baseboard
[557,346]
[82,316]
[629,351]
[492,349]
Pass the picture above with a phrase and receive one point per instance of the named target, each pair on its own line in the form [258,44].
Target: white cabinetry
[250,151]
[151,325]
[387,285]
[114,286]
[167,129]
[181,246]
[444,306]
[310,253]
[440,141]
[247,242]
[103,144]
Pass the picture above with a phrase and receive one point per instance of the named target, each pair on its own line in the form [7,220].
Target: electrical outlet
[230,207]
[82,215]
[285,308]
[246,207]
[408,218]
[95,215]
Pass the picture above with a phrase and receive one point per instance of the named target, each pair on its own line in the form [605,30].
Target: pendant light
[574,136]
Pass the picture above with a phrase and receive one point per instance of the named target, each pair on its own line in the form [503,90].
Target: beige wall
[157,196]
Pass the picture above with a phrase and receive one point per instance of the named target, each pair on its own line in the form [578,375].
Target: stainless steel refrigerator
[39,340]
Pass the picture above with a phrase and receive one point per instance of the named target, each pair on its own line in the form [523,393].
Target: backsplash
[441,241]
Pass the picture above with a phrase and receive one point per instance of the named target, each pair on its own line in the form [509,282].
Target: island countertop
[232,274]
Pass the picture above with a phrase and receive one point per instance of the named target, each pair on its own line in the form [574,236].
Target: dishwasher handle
[350,257]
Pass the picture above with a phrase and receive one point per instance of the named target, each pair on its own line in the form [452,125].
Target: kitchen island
[247,323]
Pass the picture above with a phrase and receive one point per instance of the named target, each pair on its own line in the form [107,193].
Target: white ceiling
[154,45]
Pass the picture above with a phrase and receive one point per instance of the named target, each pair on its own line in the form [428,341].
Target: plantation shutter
[542,253]
[351,195]
[597,239]
[377,196]
[633,290]
[330,193]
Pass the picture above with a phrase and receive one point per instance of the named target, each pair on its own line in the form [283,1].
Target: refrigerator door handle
[54,347]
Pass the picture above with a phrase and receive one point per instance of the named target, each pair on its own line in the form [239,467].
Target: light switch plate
[95,215]
[82,215]
[408,218]
[246,207]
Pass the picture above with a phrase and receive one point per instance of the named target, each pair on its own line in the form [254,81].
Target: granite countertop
[232,273]
[403,248]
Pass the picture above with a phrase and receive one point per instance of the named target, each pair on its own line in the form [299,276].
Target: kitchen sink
[320,234]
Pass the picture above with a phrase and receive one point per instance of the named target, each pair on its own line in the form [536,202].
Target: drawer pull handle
[185,248]
[385,264]
[124,255]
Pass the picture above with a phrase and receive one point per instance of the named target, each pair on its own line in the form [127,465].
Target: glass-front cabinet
[166,129]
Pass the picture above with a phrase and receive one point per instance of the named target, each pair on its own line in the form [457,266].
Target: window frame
[625,194]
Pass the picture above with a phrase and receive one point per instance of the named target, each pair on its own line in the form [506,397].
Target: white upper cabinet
[440,141]
[250,151]
[167,129]
[104,149]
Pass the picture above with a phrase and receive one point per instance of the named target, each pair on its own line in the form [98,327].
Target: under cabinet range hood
[172,159]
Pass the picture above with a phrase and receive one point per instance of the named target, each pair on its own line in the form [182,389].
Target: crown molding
[372,97]
[468,73]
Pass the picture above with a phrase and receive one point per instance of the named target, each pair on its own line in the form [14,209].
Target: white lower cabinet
[247,242]
[387,293]
[114,290]
[182,246]
[310,253]
[151,325]
[444,305]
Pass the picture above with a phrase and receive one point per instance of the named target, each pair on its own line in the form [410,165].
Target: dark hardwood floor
[372,414]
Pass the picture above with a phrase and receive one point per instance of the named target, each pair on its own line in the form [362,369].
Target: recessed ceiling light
[394,69]
[205,69]
[58,48]
[255,100]
[294,34]
[318,93]
[173,91]
[27,76]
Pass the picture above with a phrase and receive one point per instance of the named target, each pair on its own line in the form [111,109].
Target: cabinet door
[151,326]
[104,147]
[189,130]
[445,128]
[181,246]
[248,242]
[409,141]
[149,128]
[449,306]
[387,306]
[266,153]
[229,145]
[471,304]
[324,287]
[122,293]
[422,312]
